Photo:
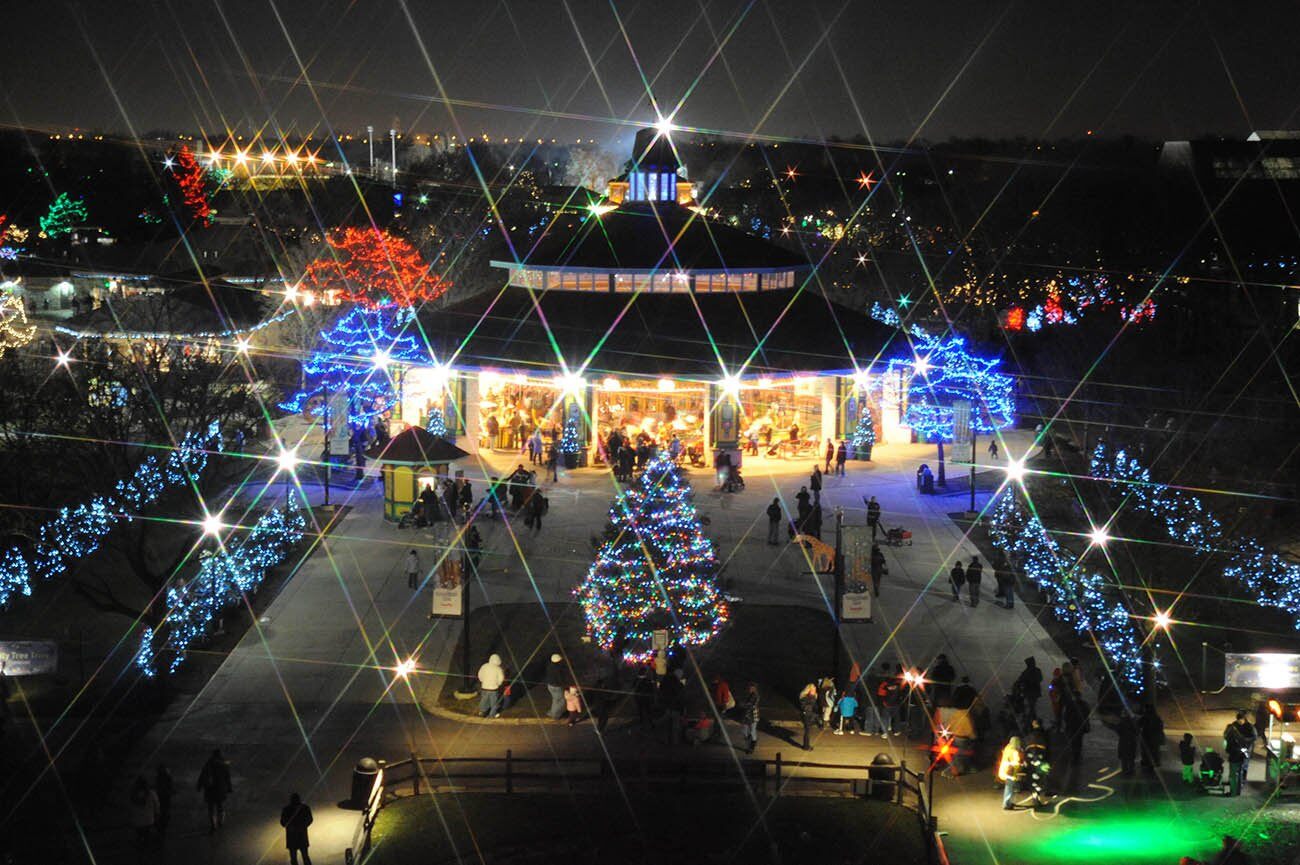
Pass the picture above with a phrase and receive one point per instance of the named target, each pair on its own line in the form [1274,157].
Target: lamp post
[287,462]
[837,569]
[972,468]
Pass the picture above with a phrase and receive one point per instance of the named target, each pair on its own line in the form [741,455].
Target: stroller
[1211,778]
[898,537]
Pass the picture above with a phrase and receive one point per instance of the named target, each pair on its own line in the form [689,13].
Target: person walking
[214,784]
[553,462]
[491,676]
[295,818]
[412,569]
[1126,732]
[841,457]
[815,484]
[943,678]
[749,718]
[957,579]
[1074,720]
[993,448]
[144,815]
[1238,742]
[163,787]
[672,696]
[573,703]
[1151,728]
[1030,687]
[808,712]
[891,698]
[643,694]
[974,573]
[1187,757]
[873,516]
[536,509]
[1006,583]
[830,454]
[829,700]
[774,522]
[1008,771]
[878,569]
[556,678]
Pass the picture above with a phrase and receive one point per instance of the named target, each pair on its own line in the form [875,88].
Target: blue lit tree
[437,423]
[655,571]
[943,373]
[353,358]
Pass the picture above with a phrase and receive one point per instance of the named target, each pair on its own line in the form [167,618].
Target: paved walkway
[311,689]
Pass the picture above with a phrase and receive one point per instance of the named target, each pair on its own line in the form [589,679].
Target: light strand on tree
[166,336]
[1079,598]
[352,359]
[15,331]
[78,531]
[192,180]
[864,434]
[64,215]
[1190,522]
[569,442]
[657,570]
[223,580]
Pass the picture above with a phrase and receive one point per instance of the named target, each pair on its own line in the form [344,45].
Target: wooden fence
[777,777]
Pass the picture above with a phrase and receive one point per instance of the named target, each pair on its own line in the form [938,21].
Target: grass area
[780,648]
[683,828]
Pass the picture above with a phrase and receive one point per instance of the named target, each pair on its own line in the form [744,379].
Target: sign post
[29,657]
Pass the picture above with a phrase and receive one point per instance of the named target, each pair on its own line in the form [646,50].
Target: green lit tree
[64,215]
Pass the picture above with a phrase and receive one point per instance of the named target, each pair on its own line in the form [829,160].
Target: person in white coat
[491,677]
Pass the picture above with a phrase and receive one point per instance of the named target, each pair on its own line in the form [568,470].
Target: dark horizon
[942,71]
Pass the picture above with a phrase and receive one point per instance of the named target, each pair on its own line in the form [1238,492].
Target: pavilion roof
[650,236]
[651,334]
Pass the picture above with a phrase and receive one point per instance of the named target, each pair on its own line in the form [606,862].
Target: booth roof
[417,446]
[648,236]
[766,333]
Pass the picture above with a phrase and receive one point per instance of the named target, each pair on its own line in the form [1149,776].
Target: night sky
[892,70]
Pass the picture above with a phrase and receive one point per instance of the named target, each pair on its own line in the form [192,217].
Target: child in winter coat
[848,713]
[1187,756]
[573,703]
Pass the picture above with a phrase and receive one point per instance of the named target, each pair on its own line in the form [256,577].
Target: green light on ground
[1121,836]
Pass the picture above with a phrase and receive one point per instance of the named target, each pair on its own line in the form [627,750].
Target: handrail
[421,773]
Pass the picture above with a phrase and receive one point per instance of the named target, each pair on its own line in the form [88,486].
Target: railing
[510,774]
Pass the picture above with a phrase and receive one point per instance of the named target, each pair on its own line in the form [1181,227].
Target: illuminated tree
[14,329]
[944,373]
[864,435]
[64,215]
[655,571]
[193,182]
[370,266]
[353,358]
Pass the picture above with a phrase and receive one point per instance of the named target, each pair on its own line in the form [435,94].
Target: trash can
[882,769]
[363,781]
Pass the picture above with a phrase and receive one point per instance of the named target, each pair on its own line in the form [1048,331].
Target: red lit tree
[193,183]
[372,267]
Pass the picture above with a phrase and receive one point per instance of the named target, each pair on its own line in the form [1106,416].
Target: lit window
[654,187]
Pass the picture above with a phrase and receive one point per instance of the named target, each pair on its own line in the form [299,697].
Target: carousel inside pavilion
[644,316]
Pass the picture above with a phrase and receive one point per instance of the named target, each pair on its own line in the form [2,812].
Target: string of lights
[78,531]
[1190,522]
[1081,599]
[657,571]
[223,580]
[160,336]
[352,358]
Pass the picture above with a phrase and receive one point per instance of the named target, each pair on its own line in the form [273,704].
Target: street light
[287,462]
[212,524]
[1099,536]
[405,668]
[1015,470]
[1163,619]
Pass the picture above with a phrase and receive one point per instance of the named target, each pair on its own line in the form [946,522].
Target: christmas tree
[944,373]
[569,437]
[64,215]
[193,183]
[353,358]
[437,423]
[864,436]
[655,571]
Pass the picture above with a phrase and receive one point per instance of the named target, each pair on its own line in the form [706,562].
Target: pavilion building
[642,313]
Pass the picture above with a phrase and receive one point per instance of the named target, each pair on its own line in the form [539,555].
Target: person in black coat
[957,579]
[295,818]
[214,784]
[878,568]
[1151,728]
[1127,732]
[974,573]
